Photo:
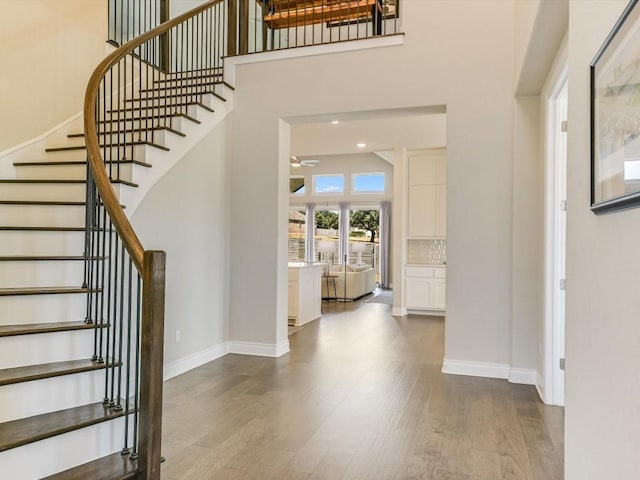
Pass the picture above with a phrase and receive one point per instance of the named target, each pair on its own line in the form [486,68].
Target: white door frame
[555,237]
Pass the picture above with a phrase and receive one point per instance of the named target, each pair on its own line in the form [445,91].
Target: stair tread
[187,91]
[32,429]
[17,228]
[77,162]
[156,107]
[112,467]
[36,258]
[29,373]
[56,181]
[5,292]
[127,144]
[179,83]
[64,203]
[135,130]
[151,117]
[36,328]
[40,180]
[190,73]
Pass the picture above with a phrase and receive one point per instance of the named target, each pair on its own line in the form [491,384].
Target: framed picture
[390,10]
[615,117]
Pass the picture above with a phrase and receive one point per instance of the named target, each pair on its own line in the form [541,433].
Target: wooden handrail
[150,265]
[95,160]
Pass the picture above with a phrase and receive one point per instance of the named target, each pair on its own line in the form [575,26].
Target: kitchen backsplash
[427,252]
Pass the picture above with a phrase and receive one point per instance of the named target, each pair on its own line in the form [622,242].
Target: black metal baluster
[115,323]
[91,306]
[106,291]
[136,388]
[127,409]
[118,360]
[99,276]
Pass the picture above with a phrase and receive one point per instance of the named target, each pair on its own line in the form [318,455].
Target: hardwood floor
[360,396]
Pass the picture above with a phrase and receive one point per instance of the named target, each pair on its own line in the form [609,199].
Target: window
[296,185]
[368,183]
[297,232]
[328,184]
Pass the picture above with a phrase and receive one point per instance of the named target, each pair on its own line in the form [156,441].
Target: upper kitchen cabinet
[427,194]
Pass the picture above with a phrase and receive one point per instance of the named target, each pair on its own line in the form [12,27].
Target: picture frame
[391,11]
[615,117]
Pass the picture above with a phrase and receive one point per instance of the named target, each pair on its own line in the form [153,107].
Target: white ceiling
[381,131]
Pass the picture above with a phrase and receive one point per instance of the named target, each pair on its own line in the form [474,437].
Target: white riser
[175,123]
[24,350]
[69,172]
[41,243]
[155,136]
[43,191]
[191,110]
[24,309]
[206,99]
[161,137]
[65,155]
[111,153]
[40,459]
[25,399]
[66,172]
[41,273]
[42,215]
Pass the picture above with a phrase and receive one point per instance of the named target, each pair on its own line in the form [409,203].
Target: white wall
[525,17]
[602,438]
[473,76]
[48,51]
[528,222]
[186,214]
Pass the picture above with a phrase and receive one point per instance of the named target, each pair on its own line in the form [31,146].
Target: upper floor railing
[261,25]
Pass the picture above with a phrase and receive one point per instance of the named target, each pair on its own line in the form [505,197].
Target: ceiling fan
[296,162]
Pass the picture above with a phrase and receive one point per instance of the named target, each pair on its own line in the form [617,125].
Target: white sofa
[361,280]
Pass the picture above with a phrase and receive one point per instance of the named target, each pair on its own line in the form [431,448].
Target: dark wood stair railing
[142,87]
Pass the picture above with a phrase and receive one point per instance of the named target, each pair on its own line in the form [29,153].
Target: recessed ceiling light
[335,122]
[361,145]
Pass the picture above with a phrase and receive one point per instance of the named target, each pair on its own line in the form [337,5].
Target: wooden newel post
[151,360]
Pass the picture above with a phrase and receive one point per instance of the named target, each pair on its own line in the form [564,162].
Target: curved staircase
[56,256]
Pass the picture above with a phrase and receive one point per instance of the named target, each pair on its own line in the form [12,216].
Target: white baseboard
[258,349]
[540,387]
[524,376]
[431,313]
[475,369]
[399,312]
[195,360]
[489,370]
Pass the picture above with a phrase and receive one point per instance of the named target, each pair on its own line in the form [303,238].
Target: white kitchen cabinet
[422,210]
[440,211]
[427,202]
[425,289]
[305,300]
[418,293]
[439,293]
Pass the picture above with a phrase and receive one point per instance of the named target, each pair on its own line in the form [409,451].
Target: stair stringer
[162,161]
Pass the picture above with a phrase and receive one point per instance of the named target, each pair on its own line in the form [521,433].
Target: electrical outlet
[178,336]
